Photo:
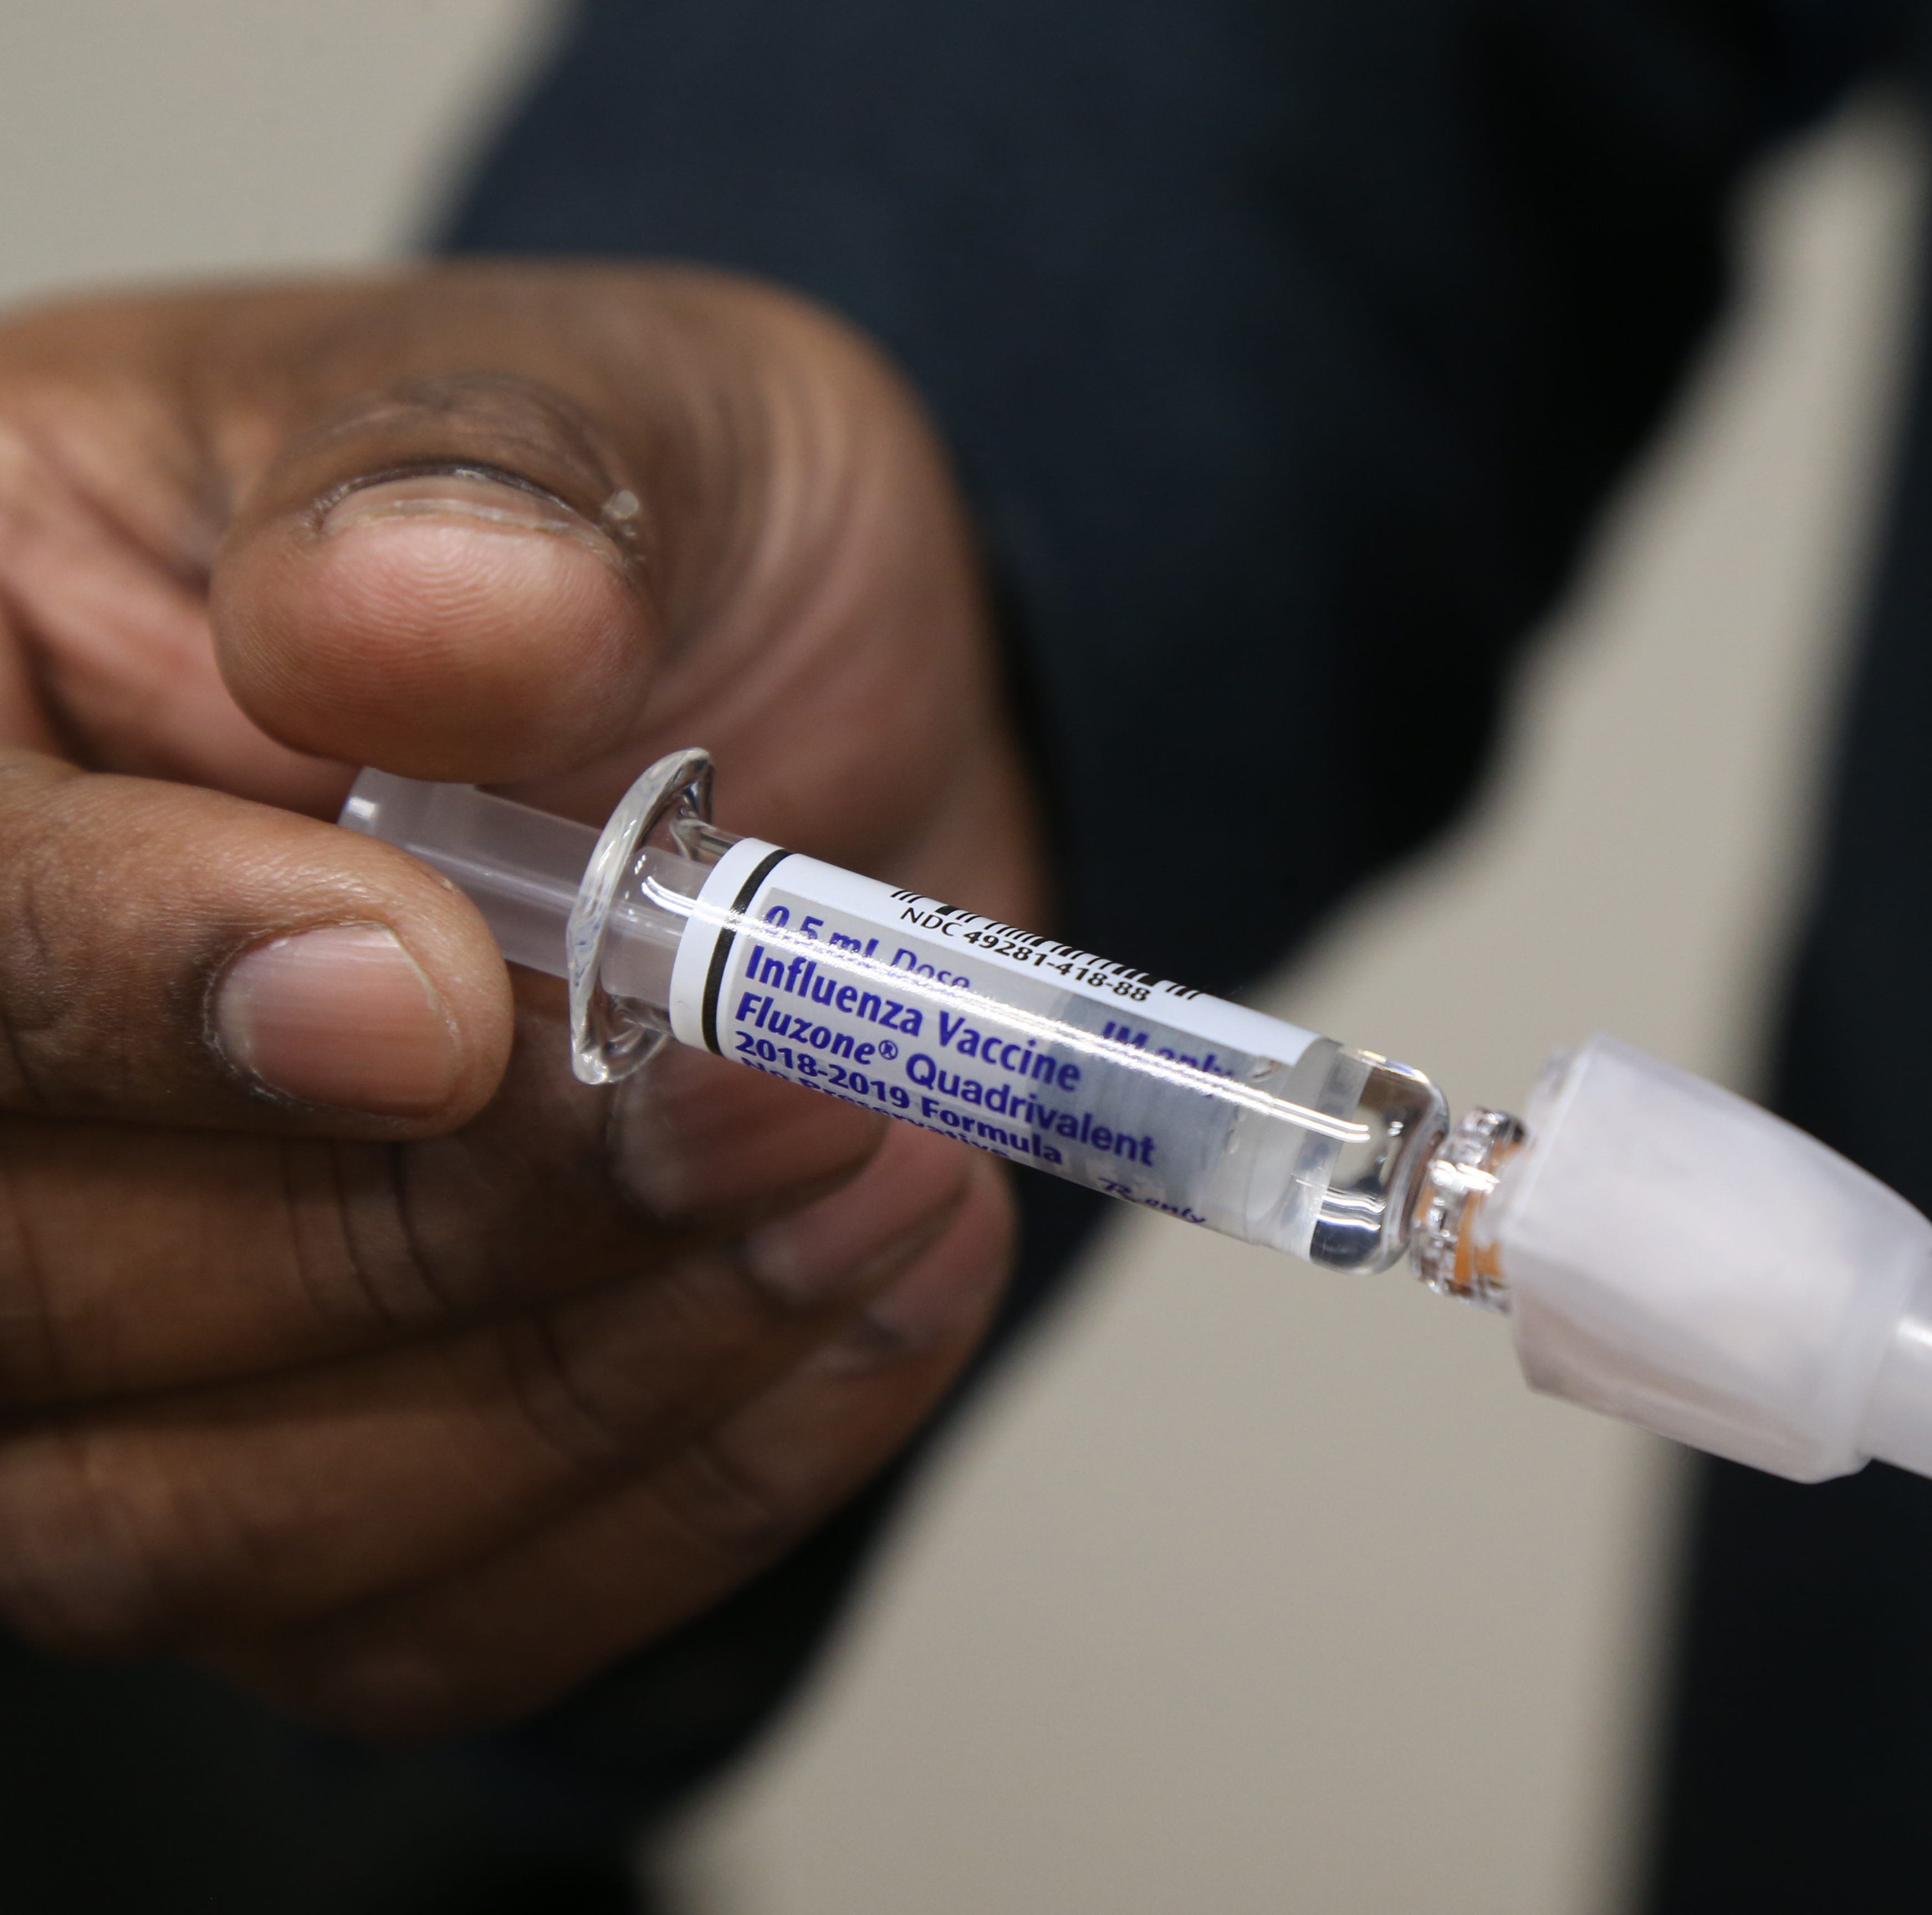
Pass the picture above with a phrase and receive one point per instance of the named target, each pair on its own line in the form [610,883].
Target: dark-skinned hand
[347,1342]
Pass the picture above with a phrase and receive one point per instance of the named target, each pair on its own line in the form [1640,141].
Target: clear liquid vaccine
[1053,1058]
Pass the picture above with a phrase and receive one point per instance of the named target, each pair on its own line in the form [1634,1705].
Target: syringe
[1052,1057]
[1669,1252]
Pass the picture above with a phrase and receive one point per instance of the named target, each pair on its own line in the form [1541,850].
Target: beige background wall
[1249,1589]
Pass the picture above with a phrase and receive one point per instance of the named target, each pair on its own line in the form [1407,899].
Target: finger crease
[551,1400]
[417,1267]
[28,1312]
[31,964]
[725,1506]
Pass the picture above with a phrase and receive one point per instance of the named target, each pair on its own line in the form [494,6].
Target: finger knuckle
[78,943]
[355,1238]
[398,1239]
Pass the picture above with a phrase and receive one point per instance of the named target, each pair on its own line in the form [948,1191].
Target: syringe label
[904,930]
[742,908]
[1022,1045]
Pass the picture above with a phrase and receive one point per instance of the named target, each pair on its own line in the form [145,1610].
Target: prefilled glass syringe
[1667,1251]
[667,927]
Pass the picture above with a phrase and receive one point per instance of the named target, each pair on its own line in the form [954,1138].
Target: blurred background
[1247,1589]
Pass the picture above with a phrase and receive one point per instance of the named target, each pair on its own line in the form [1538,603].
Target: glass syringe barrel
[1047,1055]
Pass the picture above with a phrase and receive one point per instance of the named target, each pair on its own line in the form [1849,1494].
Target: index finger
[176,955]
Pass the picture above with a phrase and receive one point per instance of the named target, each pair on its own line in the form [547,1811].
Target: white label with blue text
[1003,1038]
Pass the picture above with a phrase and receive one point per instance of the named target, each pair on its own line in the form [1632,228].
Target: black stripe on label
[721,954]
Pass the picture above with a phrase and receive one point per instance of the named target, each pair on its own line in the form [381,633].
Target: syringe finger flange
[611,1033]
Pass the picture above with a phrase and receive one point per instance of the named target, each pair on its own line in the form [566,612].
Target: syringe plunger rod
[522,868]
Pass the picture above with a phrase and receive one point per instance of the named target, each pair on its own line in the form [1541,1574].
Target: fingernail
[952,1283]
[849,1241]
[342,1017]
[691,1137]
[669,1146]
[475,500]
[924,1306]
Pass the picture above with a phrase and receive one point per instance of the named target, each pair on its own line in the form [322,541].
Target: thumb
[446,578]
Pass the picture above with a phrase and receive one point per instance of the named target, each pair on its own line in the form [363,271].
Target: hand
[345,1342]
